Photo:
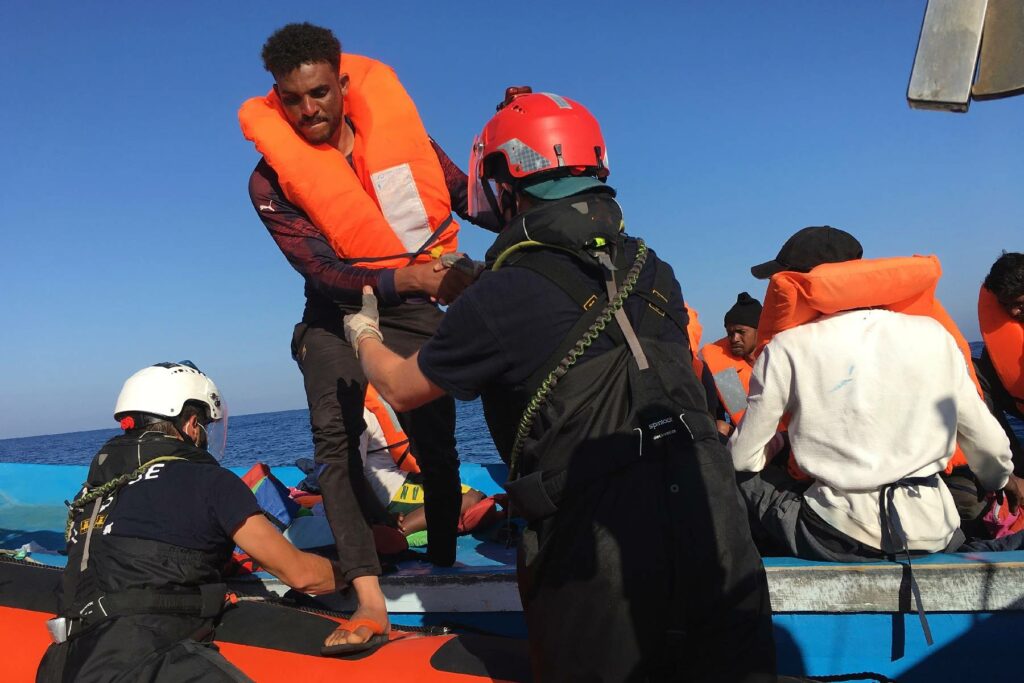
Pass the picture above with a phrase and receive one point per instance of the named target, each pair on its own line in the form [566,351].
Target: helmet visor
[480,203]
[216,434]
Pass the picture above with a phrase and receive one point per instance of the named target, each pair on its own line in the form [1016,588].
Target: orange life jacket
[694,331]
[902,284]
[391,206]
[396,438]
[727,369]
[1004,340]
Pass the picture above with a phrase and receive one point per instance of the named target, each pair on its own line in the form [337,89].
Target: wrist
[405,281]
[387,287]
[367,336]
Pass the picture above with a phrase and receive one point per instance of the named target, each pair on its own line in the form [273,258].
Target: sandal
[379,637]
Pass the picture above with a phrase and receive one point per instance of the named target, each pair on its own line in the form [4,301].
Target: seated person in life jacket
[730,359]
[1001,366]
[395,478]
[1000,371]
[576,341]
[148,537]
[878,395]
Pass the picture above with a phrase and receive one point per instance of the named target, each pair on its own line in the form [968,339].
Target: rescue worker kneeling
[149,534]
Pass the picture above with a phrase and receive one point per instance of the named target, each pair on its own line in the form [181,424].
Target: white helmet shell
[163,390]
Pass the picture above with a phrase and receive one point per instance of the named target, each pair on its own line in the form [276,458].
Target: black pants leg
[335,390]
[431,430]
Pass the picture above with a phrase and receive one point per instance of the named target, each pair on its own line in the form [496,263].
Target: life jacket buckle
[59,628]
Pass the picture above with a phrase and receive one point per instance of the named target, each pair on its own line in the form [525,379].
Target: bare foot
[341,635]
[372,607]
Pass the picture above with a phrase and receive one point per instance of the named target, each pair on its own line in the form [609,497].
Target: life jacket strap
[412,255]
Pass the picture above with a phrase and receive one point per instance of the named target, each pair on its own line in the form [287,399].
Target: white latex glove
[364,323]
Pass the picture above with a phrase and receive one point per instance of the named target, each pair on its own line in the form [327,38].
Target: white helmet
[164,389]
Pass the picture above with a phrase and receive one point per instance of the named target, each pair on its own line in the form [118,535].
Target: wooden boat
[830,618]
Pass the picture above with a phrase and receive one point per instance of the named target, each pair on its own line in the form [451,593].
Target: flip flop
[379,637]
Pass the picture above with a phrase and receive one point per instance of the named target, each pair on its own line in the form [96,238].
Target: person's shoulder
[511,283]
[208,474]
[263,181]
[916,324]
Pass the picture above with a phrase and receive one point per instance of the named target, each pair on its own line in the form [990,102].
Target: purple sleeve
[308,250]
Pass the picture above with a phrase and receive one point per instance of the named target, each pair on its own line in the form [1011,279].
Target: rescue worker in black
[149,535]
[637,562]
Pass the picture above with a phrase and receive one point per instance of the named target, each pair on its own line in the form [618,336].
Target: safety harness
[590,230]
[85,612]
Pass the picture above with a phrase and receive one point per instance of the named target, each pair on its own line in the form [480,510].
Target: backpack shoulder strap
[583,293]
[657,303]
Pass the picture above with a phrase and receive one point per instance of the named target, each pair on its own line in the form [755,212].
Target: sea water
[273,438]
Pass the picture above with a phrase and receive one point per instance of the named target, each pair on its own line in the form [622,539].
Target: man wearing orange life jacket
[877,399]
[1000,373]
[1001,366]
[730,359]
[356,194]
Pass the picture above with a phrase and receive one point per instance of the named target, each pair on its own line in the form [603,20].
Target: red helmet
[537,136]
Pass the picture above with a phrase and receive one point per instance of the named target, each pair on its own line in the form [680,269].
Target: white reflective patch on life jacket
[730,390]
[402,206]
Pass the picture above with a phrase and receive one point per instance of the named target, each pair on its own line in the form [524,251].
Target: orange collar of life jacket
[391,206]
[1004,340]
[902,284]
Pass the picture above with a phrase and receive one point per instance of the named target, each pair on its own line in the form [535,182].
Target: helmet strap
[199,442]
[492,200]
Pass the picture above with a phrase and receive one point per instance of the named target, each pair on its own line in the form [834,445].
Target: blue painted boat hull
[829,618]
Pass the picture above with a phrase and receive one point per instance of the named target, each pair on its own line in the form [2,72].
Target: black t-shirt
[501,329]
[184,504]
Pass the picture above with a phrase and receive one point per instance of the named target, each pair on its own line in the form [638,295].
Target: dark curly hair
[293,45]
[1006,279]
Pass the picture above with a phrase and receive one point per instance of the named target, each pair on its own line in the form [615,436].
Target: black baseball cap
[811,247]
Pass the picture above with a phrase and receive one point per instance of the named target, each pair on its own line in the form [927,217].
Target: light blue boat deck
[830,618]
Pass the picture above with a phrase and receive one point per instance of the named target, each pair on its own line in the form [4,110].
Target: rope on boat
[303,606]
[862,676]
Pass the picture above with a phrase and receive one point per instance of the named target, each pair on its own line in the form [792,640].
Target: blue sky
[128,238]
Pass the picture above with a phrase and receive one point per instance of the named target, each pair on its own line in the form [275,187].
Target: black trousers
[335,391]
[140,647]
[649,575]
